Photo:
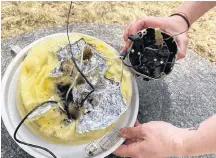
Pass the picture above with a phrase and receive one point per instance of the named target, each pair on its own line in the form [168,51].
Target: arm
[172,25]
[202,140]
[194,10]
[160,139]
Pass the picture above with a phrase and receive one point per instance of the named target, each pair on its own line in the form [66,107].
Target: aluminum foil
[104,109]
[57,71]
[64,54]
[43,109]
[105,104]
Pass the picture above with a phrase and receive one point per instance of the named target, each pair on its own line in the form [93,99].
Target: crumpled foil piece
[41,110]
[57,72]
[64,54]
[105,105]
[104,109]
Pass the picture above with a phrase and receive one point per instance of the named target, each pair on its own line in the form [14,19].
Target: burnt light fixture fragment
[152,53]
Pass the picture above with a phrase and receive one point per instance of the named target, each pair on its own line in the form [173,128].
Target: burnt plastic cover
[149,57]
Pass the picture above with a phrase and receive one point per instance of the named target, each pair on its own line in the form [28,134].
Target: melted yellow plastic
[35,86]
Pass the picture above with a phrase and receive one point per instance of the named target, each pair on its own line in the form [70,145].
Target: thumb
[132,132]
[137,123]
[126,46]
[182,42]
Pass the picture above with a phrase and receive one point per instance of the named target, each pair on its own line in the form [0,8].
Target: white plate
[11,117]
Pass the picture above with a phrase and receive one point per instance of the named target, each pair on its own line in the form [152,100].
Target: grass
[21,17]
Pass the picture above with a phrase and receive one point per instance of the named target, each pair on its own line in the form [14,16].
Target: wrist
[186,10]
[179,21]
[180,148]
[183,16]
[189,143]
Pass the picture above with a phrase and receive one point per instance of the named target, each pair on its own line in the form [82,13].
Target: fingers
[142,23]
[138,25]
[130,141]
[127,150]
[132,132]
[125,36]
[126,46]
[121,151]
[132,28]
[137,123]
[145,23]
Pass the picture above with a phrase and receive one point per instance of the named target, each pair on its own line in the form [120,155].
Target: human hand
[156,139]
[172,25]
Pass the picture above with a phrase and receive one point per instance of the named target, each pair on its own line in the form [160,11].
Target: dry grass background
[21,17]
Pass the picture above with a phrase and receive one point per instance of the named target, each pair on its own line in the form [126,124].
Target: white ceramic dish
[11,117]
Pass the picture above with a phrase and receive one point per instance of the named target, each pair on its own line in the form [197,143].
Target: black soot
[150,59]
[71,111]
